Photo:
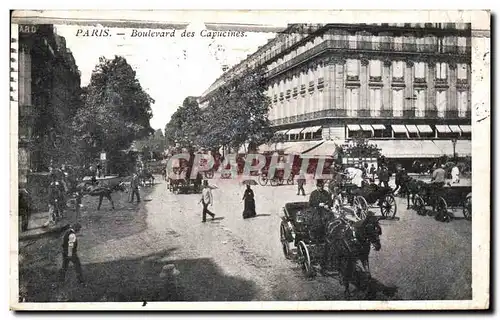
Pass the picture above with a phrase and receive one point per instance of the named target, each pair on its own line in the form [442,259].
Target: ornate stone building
[48,86]
[384,82]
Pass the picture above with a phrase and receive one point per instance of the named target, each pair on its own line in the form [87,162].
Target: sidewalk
[36,226]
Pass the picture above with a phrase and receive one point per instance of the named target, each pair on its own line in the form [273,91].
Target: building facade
[384,82]
[48,92]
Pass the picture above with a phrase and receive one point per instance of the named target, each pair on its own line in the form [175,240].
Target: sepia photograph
[236,160]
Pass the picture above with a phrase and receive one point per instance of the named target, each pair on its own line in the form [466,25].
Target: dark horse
[102,191]
[351,244]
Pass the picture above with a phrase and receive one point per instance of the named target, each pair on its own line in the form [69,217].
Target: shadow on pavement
[138,280]
[262,215]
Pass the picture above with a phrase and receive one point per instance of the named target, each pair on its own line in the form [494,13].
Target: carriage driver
[320,197]
[321,200]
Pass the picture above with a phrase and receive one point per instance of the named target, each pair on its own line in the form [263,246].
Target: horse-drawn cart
[361,199]
[443,198]
[337,239]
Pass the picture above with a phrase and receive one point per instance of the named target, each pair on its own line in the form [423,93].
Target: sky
[169,69]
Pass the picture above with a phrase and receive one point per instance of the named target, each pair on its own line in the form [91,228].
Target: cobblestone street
[123,252]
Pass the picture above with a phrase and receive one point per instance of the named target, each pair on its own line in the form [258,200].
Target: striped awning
[312,129]
[281,132]
[354,127]
[424,128]
[466,128]
[412,128]
[408,148]
[327,148]
[295,131]
[298,147]
[442,128]
[463,148]
[366,127]
[455,128]
[399,128]
[378,126]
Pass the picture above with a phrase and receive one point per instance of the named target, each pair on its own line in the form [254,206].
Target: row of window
[420,70]
[419,103]
[460,45]
[419,98]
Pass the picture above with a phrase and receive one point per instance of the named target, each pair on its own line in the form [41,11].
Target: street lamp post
[454,141]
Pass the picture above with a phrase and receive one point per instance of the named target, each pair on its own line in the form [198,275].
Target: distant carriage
[361,199]
[440,199]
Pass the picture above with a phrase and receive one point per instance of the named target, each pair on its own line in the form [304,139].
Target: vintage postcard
[250,160]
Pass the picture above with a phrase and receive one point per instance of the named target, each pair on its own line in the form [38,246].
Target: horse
[146,176]
[102,191]
[411,187]
[350,248]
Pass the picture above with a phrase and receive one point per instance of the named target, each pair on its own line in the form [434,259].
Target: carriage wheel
[467,209]
[263,180]
[305,260]
[388,207]
[419,205]
[274,182]
[360,207]
[284,242]
[442,210]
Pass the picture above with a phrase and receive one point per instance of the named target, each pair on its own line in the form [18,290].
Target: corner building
[405,87]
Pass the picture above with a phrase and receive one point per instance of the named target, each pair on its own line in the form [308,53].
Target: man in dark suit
[70,252]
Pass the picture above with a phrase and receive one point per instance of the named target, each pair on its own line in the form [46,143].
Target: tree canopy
[237,113]
[116,109]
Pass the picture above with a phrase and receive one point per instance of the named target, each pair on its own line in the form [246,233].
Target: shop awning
[399,128]
[411,128]
[366,127]
[295,131]
[378,126]
[455,128]
[281,132]
[408,148]
[354,127]
[327,148]
[311,129]
[463,148]
[442,128]
[465,128]
[270,147]
[298,147]
[424,128]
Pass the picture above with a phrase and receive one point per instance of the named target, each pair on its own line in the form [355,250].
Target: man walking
[301,180]
[70,252]
[134,186]
[206,200]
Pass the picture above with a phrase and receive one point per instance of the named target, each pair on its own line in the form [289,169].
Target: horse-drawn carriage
[347,242]
[179,178]
[441,198]
[348,195]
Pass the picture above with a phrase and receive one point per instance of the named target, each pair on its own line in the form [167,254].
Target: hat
[320,182]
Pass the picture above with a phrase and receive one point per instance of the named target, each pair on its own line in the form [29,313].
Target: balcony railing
[451,114]
[364,113]
[408,113]
[345,45]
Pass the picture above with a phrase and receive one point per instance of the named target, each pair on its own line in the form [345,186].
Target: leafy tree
[116,109]
[238,113]
[185,125]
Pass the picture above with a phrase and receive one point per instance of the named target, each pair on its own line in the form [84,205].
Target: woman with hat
[249,198]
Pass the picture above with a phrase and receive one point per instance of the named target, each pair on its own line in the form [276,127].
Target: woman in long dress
[249,209]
